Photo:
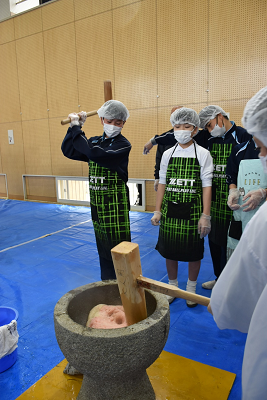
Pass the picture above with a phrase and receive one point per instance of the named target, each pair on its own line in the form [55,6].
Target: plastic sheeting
[48,249]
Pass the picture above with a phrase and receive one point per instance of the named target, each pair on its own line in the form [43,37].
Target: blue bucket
[8,314]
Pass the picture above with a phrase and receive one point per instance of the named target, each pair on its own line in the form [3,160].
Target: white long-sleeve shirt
[239,301]
[204,158]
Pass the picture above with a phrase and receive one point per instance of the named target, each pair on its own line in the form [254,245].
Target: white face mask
[112,130]
[264,163]
[217,131]
[183,136]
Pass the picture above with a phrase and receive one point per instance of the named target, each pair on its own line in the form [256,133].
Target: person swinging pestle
[107,156]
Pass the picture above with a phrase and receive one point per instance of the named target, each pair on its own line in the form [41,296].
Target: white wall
[4,9]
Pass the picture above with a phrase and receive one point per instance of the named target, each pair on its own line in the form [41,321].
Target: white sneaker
[170,298]
[190,303]
[208,285]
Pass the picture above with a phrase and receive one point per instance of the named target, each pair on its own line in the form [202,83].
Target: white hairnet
[255,116]
[184,116]
[113,109]
[208,113]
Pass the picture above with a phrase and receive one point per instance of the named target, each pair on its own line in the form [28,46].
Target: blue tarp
[48,249]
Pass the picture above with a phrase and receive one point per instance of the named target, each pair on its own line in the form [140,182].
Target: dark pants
[218,256]
[107,269]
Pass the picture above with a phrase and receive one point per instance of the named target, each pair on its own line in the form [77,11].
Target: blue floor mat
[36,270]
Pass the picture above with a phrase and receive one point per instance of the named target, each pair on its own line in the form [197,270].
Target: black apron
[181,209]
[109,200]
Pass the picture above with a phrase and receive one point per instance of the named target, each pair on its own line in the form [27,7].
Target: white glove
[156,218]
[74,119]
[233,198]
[83,117]
[148,146]
[156,184]
[204,225]
[254,198]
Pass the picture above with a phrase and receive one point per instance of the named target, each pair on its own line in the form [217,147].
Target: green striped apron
[220,213]
[181,209]
[109,202]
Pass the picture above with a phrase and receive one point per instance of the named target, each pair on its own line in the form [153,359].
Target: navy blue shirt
[112,153]
[235,135]
[243,151]
[166,138]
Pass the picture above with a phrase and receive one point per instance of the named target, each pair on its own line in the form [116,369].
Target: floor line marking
[48,234]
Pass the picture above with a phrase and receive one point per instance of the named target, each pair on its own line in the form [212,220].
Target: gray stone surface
[113,361]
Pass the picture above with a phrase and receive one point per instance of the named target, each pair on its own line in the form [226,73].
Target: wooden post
[107,90]
[127,264]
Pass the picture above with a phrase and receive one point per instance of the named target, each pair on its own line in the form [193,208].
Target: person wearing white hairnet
[247,189]
[183,200]
[164,142]
[239,298]
[107,156]
[221,137]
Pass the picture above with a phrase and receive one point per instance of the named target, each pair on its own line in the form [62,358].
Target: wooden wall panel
[1,166]
[60,164]
[61,70]
[7,33]
[182,51]
[94,59]
[164,114]
[40,188]
[121,3]
[9,103]
[84,8]
[32,78]
[157,53]
[237,49]
[12,158]
[85,169]
[3,191]
[135,54]
[36,140]
[28,23]
[58,13]
[139,128]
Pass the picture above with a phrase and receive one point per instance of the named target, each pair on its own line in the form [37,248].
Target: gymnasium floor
[48,249]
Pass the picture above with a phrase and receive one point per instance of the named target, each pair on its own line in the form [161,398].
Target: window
[18,6]
[75,190]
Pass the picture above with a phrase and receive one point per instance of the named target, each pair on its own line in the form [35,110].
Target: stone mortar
[113,361]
